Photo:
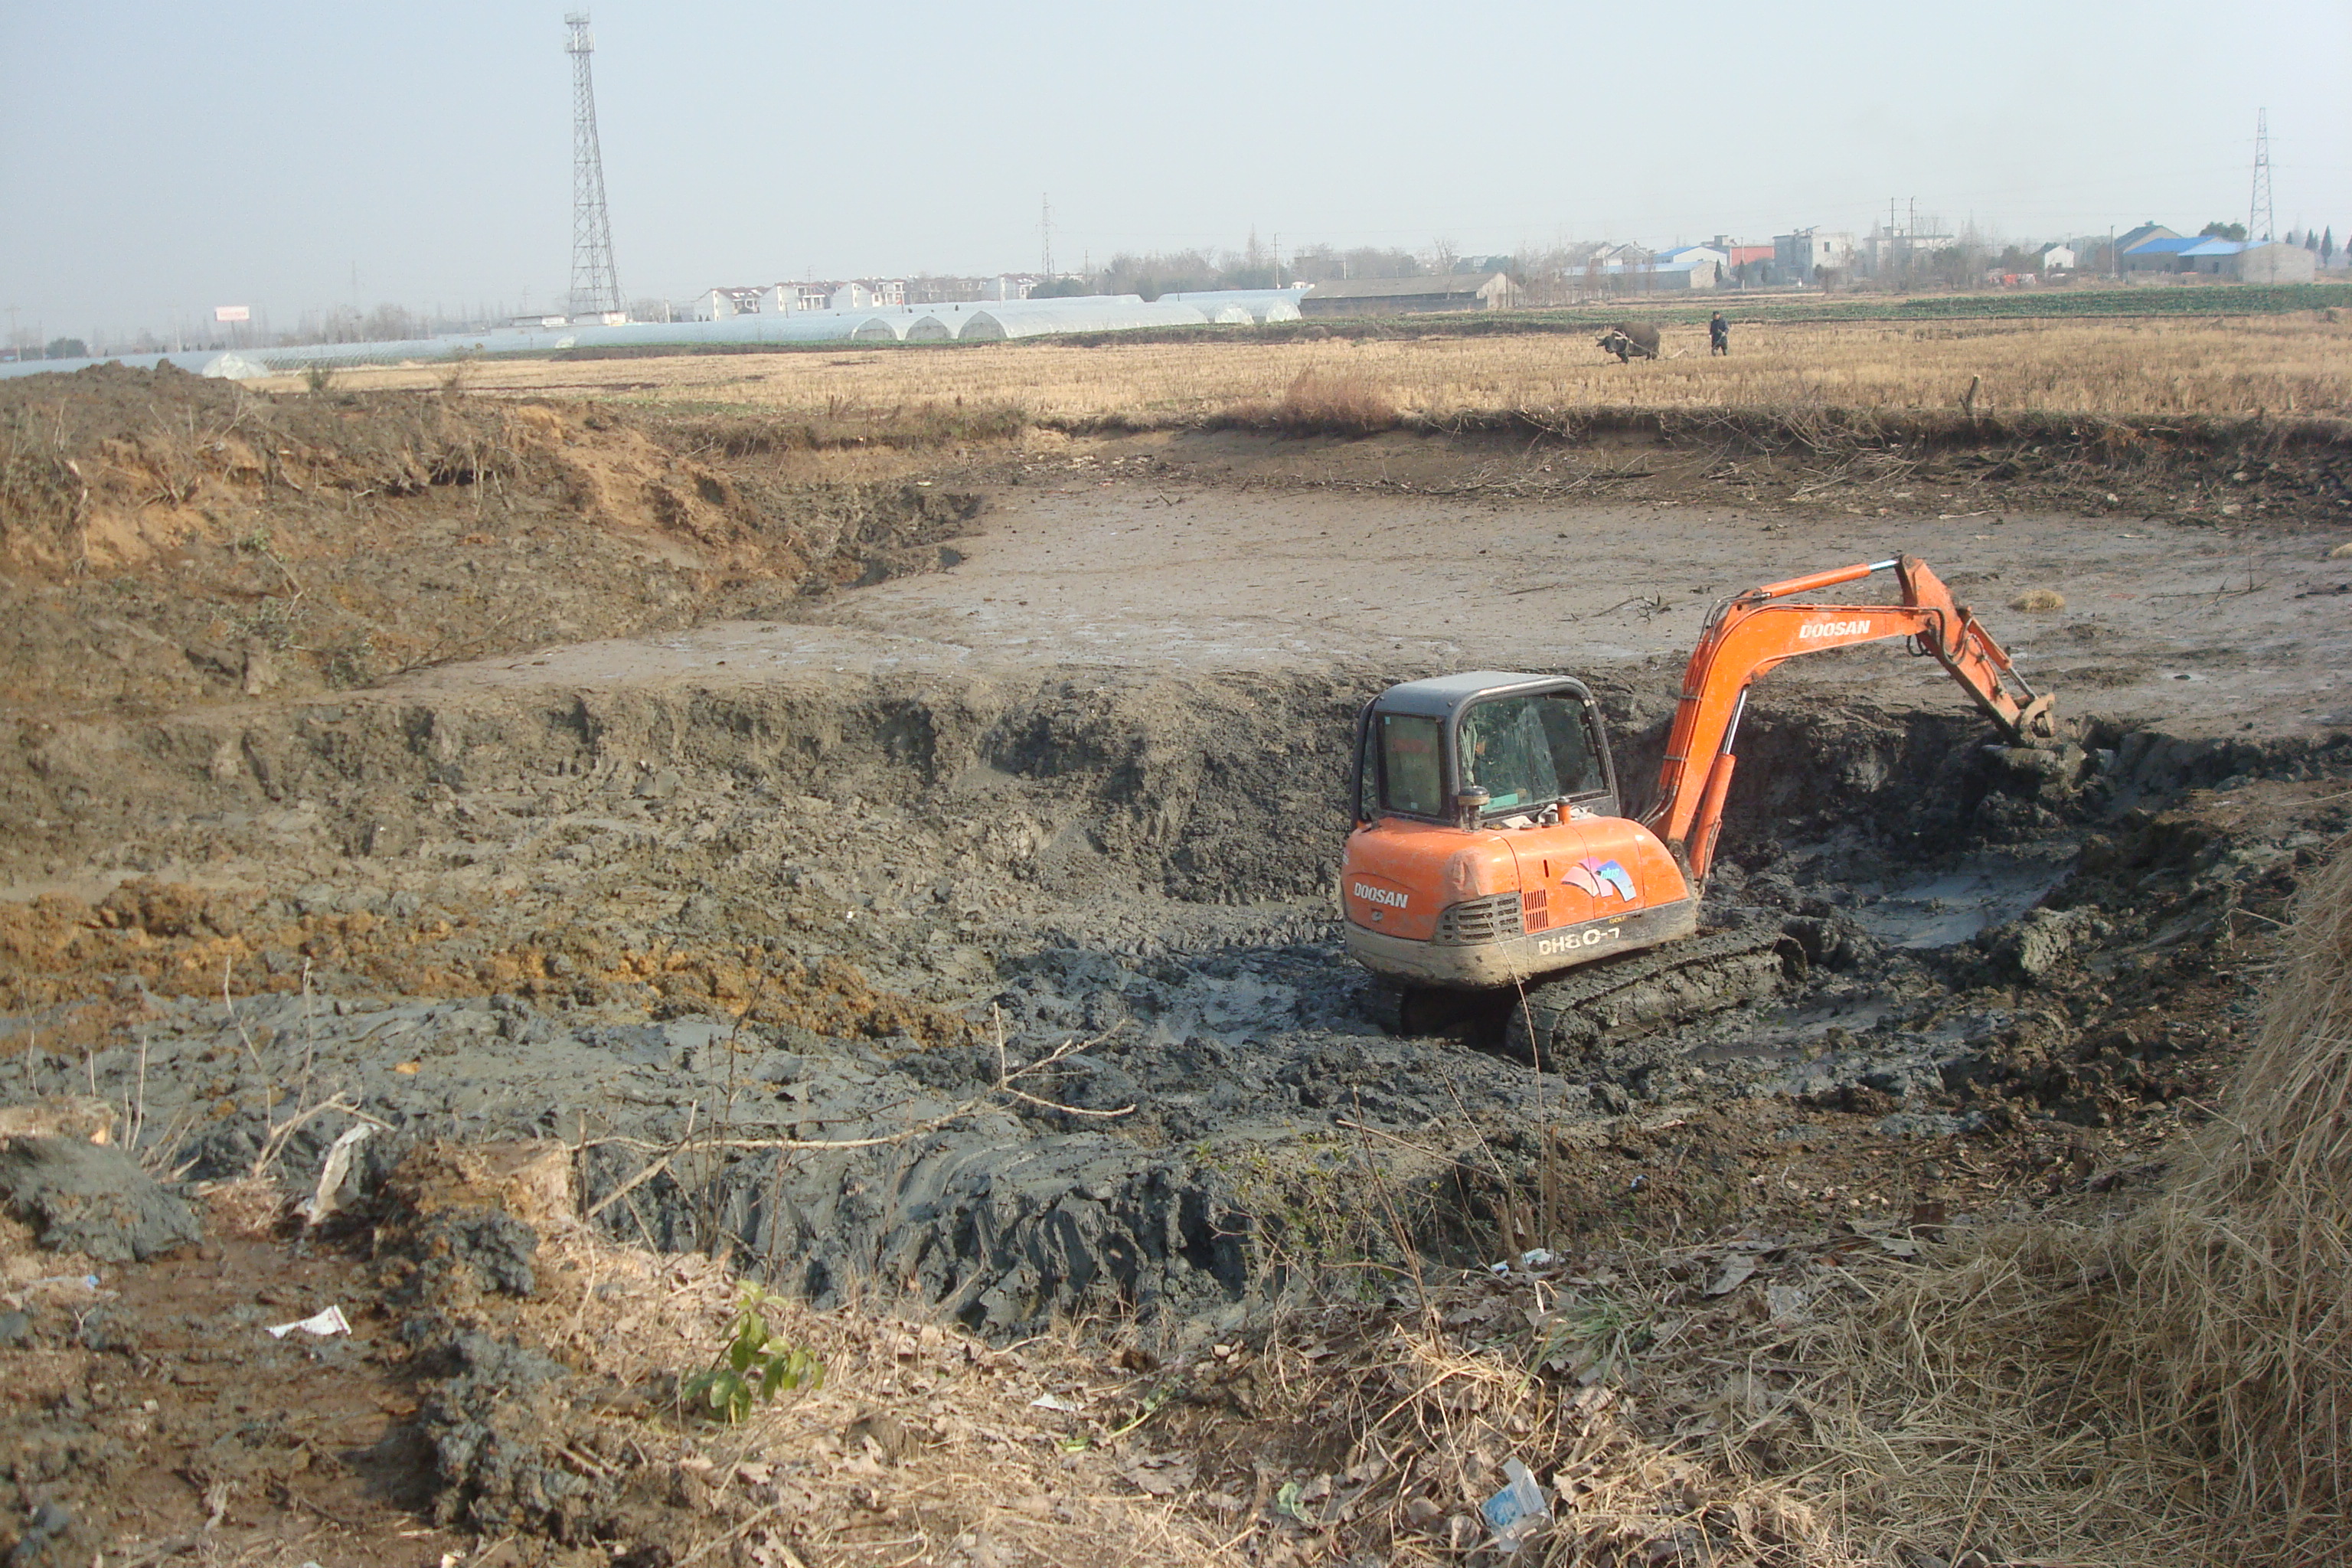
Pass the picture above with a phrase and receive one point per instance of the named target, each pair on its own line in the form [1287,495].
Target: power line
[595,289]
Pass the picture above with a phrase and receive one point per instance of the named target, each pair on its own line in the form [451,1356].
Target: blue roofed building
[2181,253]
[2259,262]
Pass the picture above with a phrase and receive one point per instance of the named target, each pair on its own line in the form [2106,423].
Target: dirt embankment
[170,540]
[1805,459]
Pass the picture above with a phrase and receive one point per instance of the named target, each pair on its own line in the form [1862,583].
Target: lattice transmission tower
[595,289]
[2261,222]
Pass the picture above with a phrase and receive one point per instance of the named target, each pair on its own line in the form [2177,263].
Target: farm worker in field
[1718,335]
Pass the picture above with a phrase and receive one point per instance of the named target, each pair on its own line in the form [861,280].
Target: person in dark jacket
[1718,335]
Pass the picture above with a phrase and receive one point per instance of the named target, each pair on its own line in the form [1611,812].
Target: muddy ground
[777,921]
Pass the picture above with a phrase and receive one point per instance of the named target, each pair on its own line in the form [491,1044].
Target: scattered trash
[333,1175]
[331,1321]
[86,1281]
[1539,1257]
[1502,1268]
[1788,1303]
[1055,1402]
[1518,1510]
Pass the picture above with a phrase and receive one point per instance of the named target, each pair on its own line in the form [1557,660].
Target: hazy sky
[156,160]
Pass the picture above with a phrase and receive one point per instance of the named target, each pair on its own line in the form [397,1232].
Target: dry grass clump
[2238,1321]
[1376,1437]
[2039,602]
[2341,552]
[1336,403]
[2175,1385]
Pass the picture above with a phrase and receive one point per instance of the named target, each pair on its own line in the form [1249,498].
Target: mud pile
[171,541]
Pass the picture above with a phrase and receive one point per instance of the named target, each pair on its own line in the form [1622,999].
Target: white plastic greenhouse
[967,321]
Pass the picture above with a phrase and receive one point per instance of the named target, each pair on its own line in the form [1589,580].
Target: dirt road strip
[2204,632]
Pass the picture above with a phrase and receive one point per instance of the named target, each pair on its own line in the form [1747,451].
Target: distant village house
[1407,296]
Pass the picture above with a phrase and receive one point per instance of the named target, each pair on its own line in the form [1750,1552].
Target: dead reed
[1336,403]
[2173,1385]
[2235,1339]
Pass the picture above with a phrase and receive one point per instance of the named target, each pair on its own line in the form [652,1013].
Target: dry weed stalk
[2175,1385]
[2236,1312]
[1403,1427]
[1336,403]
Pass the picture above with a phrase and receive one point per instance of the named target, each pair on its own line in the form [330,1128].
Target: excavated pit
[766,951]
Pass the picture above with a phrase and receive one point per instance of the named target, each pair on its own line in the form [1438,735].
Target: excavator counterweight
[1491,849]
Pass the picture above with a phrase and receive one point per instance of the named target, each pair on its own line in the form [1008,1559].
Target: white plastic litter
[331,1321]
[335,1174]
[1518,1510]
[1054,1402]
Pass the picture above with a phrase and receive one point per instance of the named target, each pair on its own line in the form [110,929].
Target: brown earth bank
[170,540]
[955,953]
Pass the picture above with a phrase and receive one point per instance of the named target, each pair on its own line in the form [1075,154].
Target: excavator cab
[1467,749]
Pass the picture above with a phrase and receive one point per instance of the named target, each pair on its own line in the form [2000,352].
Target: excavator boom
[1748,635]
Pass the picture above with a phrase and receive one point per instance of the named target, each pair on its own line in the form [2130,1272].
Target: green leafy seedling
[755,1366]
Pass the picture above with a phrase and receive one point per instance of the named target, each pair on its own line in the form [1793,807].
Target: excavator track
[1587,1018]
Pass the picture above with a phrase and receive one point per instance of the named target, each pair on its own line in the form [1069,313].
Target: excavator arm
[1748,635]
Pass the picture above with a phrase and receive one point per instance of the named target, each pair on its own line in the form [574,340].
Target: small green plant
[755,1366]
[1078,1442]
[318,378]
[1592,1341]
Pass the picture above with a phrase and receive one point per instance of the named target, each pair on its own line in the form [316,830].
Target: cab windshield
[1529,751]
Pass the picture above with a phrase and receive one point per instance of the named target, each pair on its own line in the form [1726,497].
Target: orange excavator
[1491,857]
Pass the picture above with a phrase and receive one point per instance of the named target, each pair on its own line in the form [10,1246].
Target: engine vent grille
[1490,918]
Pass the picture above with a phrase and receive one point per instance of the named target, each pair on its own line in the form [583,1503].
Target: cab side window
[1412,765]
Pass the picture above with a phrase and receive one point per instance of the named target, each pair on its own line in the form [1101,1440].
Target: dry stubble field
[2297,364]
